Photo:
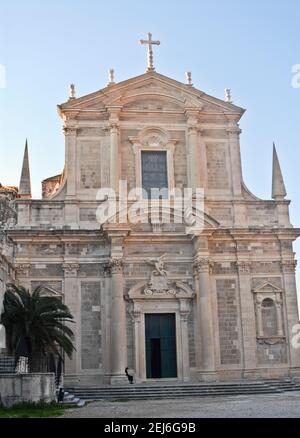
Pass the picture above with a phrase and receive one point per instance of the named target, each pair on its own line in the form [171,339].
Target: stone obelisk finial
[228,95]
[25,183]
[111,76]
[150,42]
[278,187]
[188,78]
[72,92]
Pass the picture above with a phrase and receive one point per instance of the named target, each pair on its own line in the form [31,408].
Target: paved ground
[285,405]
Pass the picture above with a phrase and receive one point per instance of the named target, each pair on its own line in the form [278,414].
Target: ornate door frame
[175,300]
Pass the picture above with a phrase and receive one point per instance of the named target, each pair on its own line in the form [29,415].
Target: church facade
[167,299]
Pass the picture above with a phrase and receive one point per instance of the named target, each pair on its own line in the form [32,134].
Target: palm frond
[42,321]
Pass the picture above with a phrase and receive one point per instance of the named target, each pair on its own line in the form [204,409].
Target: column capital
[23,269]
[116,265]
[111,128]
[136,314]
[202,264]
[234,130]
[243,266]
[71,269]
[288,266]
[194,129]
[70,130]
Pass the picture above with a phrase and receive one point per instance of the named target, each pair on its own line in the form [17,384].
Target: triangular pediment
[267,286]
[151,92]
[47,291]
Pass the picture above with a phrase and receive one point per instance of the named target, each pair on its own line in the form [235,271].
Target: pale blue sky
[249,46]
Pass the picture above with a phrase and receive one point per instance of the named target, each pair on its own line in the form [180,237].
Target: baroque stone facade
[230,287]
[8,216]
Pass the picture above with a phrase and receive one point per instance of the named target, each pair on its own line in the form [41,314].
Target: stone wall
[90,165]
[8,218]
[268,354]
[19,388]
[91,336]
[228,322]
[217,173]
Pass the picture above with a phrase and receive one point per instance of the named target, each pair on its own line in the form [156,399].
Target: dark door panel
[160,331]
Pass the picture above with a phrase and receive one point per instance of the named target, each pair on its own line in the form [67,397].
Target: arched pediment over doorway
[164,290]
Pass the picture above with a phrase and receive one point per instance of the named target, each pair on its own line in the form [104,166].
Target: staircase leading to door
[163,391]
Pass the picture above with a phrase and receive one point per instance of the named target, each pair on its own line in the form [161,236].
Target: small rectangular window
[155,174]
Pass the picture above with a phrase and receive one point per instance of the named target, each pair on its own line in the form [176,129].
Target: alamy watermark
[296,76]
[163,206]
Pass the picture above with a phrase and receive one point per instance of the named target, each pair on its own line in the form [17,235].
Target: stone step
[174,393]
[163,390]
[172,396]
[72,400]
[143,391]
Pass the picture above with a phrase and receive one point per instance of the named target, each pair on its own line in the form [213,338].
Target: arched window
[269,317]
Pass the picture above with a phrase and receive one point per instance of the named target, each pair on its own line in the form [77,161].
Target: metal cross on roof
[150,42]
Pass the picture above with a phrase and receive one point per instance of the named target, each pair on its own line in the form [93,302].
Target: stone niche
[270,328]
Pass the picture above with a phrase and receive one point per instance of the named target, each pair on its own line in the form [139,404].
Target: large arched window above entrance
[269,317]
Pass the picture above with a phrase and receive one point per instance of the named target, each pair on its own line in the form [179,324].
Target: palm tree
[36,325]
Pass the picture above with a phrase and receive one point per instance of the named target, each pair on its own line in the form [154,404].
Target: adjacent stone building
[169,301]
[8,215]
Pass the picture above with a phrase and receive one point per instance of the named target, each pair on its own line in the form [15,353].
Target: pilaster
[235,158]
[115,151]
[118,323]
[71,159]
[73,302]
[247,316]
[184,312]
[204,317]
[289,279]
[193,153]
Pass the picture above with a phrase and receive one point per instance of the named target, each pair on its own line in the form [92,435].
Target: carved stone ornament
[159,282]
[136,314]
[116,265]
[201,265]
[184,315]
[159,285]
[193,130]
[69,130]
[23,270]
[154,138]
[111,127]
